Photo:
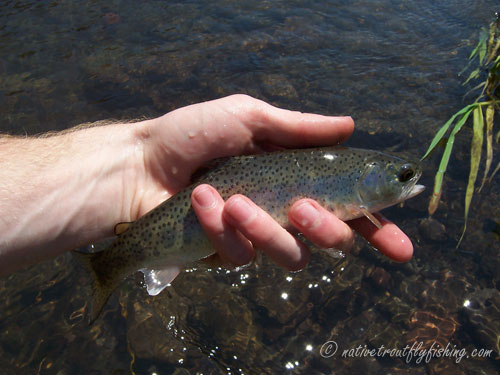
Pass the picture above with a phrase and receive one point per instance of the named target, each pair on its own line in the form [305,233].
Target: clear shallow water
[392,65]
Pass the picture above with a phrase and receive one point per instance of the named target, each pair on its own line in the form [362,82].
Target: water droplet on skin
[222,132]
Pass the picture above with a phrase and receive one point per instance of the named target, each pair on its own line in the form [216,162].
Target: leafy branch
[487,54]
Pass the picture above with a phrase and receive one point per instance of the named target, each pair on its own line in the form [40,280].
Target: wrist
[67,190]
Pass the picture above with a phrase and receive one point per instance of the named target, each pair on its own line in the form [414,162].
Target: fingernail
[204,197]
[240,211]
[307,216]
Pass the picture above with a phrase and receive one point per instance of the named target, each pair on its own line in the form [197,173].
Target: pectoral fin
[157,280]
[371,217]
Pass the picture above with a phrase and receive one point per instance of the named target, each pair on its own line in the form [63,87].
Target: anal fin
[157,280]
[334,253]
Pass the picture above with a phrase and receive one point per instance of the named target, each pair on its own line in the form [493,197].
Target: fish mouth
[415,190]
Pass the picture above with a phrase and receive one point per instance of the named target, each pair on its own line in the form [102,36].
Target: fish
[349,182]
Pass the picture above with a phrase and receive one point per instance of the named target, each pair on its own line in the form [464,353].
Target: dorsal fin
[122,227]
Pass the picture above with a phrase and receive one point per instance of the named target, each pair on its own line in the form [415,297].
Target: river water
[392,65]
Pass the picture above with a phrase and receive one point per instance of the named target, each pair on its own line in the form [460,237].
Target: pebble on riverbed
[432,230]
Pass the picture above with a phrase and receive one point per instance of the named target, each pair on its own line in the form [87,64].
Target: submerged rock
[432,230]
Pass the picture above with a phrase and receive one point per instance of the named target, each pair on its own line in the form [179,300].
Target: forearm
[64,191]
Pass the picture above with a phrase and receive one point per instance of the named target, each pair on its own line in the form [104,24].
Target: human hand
[69,189]
[177,144]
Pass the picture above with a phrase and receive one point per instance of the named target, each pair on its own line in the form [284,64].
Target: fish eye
[406,173]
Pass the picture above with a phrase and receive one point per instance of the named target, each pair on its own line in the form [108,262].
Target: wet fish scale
[347,181]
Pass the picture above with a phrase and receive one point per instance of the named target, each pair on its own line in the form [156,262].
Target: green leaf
[480,47]
[494,51]
[475,158]
[482,51]
[438,180]
[474,51]
[474,74]
[490,113]
[494,172]
[491,39]
[444,128]
[482,84]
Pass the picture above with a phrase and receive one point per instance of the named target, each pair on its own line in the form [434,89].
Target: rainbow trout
[349,182]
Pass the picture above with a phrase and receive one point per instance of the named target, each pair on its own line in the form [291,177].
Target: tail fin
[102,285]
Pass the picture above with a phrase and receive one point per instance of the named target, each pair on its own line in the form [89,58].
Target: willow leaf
[445,128]
[482,84]
[490,113]
[475,158]
[491,40]
[494,172]
[482,51]
[438,180]
[494,51]
[474,74]
[475,50]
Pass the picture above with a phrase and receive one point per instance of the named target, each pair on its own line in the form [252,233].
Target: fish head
[384,183]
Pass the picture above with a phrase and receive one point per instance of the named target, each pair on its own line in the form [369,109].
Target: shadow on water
[392,65]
